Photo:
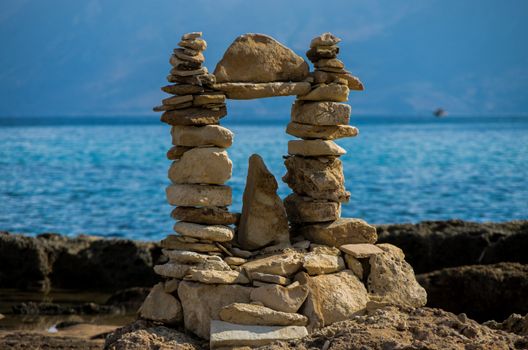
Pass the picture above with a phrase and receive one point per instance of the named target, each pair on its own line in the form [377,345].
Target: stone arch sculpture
[221,281]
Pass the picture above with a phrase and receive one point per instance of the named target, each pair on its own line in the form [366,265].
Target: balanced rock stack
[239,280]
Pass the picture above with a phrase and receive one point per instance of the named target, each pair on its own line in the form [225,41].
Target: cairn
[239,280]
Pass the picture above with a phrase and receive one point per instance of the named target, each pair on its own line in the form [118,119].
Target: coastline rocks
[216,233]
[285,299]
[320,113]
[248,91]
[251,314]
[263,220]
[314,148]
[259,58]
[206,215]
[339,232]
[203,302]
[324,132]
[199,195]
[208,135]
[161,306]
[202,166]
[304,209]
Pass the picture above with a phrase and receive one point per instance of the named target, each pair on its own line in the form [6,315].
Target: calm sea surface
[107,176]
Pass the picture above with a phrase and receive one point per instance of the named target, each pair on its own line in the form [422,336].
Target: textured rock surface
[318,178]
[217,277]
[193,116]
[161,306]
[248,91]
[265,277]
[263,220]
[332,298]
[209,135]
[174,242]
[339,232]
[304,209]
[202,166]
[314,148]
[330,92]
[259,58]
[205,215]
[202,302]
[284,264]
[318,264]
[325,132]
[198,195]
[217,233]
[286,299]
[252,314]
[361,250]
[320,113]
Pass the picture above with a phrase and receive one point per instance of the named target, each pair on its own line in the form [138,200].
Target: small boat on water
[439,113]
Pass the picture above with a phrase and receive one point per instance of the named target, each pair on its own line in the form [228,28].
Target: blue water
[107,176]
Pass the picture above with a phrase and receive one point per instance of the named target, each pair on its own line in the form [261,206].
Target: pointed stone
[325,132]
[258,315]
[207,165]
[263,220]
[314,148]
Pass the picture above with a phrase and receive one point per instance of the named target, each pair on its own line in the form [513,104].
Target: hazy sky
[107,57]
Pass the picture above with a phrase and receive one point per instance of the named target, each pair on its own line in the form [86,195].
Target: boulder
[319,264]
[325,132]
[361,250]
[339,232]
[304,209]
[314,148]
[193,116]
[276,297]
[391,280]
[331,92]
[205,215]
[320,113]
[202,166]
[216,233]
[209,135]
[284,264]
[318,178]
[258,315]
[258,58]
[263,220]
[216,276]
[161,306]
[248,91]
[229,335]
[198,195]
[332,298]
[203,302]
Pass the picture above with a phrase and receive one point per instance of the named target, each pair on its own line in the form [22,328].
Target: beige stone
[161,306]
[176,152]
[330,63]
[332,298]
[318,178]
[182,89]
[210,165]
[320,113]
[199,195]
[177,100]
[322,52]
[205,99]
[216,276]
[170,242]
[325,39]
[205,215]
[188,257]
[259,58]
[353,83]
[171,285]
[176,62]
[241,252]
[235,261]
[194,116]
[185,57]
[392,249]
[230,336]
[253,314]
[191,36]
[202,303]
[360,250]
[172,270]
[354,265]
[284,264]
[263,220]
[324,92]
[249,91]
[314,148]
[209,135]
[216,233]
[304,209]
[164,108]
[276,297]
[187,73]
[319,264]
[194,44]
[391,280]
[340,232]
[324,249]
[325,132]
[268,278]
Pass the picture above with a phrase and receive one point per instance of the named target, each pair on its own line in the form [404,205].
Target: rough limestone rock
[332,298]
[258,58]
[339,232]
[209,135]
[319,264]
[325,132]
[267,278]
[258,315]
[203,302]
[248,91]
[186,257]
[161,306]
[202,166]
[172,270]
[391,280]
[330,92]
[285,299]
[216,276]
[229,335]
[199,195]
[263,220]
[361,250]
[320,113]
[176,152]
[193,116]
[304,209]
[318,178]
[284,264]
[217,233]
[355,266]
[206,215]
[314,148]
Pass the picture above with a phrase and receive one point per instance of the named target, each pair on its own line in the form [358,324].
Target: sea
[106,176]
